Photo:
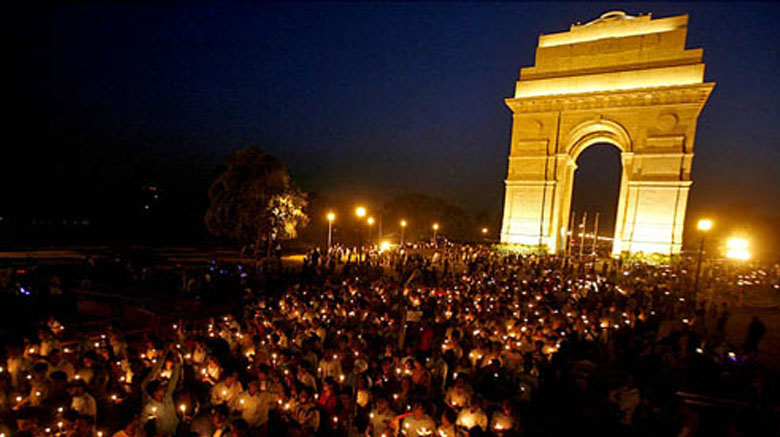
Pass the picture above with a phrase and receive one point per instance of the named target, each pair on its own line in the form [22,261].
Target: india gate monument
[620,80]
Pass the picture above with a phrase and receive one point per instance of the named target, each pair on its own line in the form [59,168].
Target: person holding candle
[418,424]
[254,405]
[459,395]
[227,391]
[473,416]
[448,427]
[82,402]
[16,365]
[330,365]
[306,415]
[159,404]
[380,419]
[503,420]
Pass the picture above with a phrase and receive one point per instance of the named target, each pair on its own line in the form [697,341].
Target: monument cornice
[695,94]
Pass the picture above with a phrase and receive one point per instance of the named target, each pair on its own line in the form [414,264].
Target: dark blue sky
[355,98]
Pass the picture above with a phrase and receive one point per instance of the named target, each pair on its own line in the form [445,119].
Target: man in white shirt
[254,405]
[227,391]
[418,423]
[83,402]
[473,416]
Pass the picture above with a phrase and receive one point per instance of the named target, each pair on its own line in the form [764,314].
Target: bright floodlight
[435,226]
[704,225]
[331,216]
[737,249]
[360,211]
[383,246]
[403,223]
[370,221]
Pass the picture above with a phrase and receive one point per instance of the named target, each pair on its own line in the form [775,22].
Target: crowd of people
[446,341]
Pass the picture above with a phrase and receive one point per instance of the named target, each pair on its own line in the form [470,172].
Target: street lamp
[331,217]
[370,222]
[435,232]
[360,212]
[704,226]
[737,249]
[484,231]
[403,229]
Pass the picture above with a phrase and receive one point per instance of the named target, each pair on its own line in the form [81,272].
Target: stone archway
[625,81]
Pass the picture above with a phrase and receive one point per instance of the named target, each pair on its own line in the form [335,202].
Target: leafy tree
[254,201]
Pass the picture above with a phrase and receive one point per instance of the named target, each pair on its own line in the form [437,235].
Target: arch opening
[596,189]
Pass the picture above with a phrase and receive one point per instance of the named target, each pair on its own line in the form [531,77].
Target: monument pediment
[614,52]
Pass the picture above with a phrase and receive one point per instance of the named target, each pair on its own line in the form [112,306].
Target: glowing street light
[360,212]
[331,216]
[403,229]
[484,231]
[370,222]
[435,231]
[703,225]
[738,249]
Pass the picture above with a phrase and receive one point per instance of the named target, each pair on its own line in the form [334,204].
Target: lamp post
[703,226]
[435,232]
[370,222]
[403,229]
[331,217]
[484,233]
[360,212]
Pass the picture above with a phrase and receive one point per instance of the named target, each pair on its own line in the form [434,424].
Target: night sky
[364,100]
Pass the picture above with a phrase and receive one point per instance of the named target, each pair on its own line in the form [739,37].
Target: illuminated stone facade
[621,80]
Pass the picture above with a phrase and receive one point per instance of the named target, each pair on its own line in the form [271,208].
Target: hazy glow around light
[370,220]
[435,226]
[331,216]
[403,223]
[704,225]
[360,211]
[737,249]
[384,245]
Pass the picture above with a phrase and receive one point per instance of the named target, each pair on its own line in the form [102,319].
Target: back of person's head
[152,387]
[150,429]
[222,411]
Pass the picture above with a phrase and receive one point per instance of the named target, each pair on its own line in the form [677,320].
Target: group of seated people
[515,346]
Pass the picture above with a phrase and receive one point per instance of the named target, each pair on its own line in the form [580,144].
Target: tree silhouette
[254,201]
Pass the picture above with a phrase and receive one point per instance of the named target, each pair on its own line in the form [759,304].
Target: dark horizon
[363,101]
